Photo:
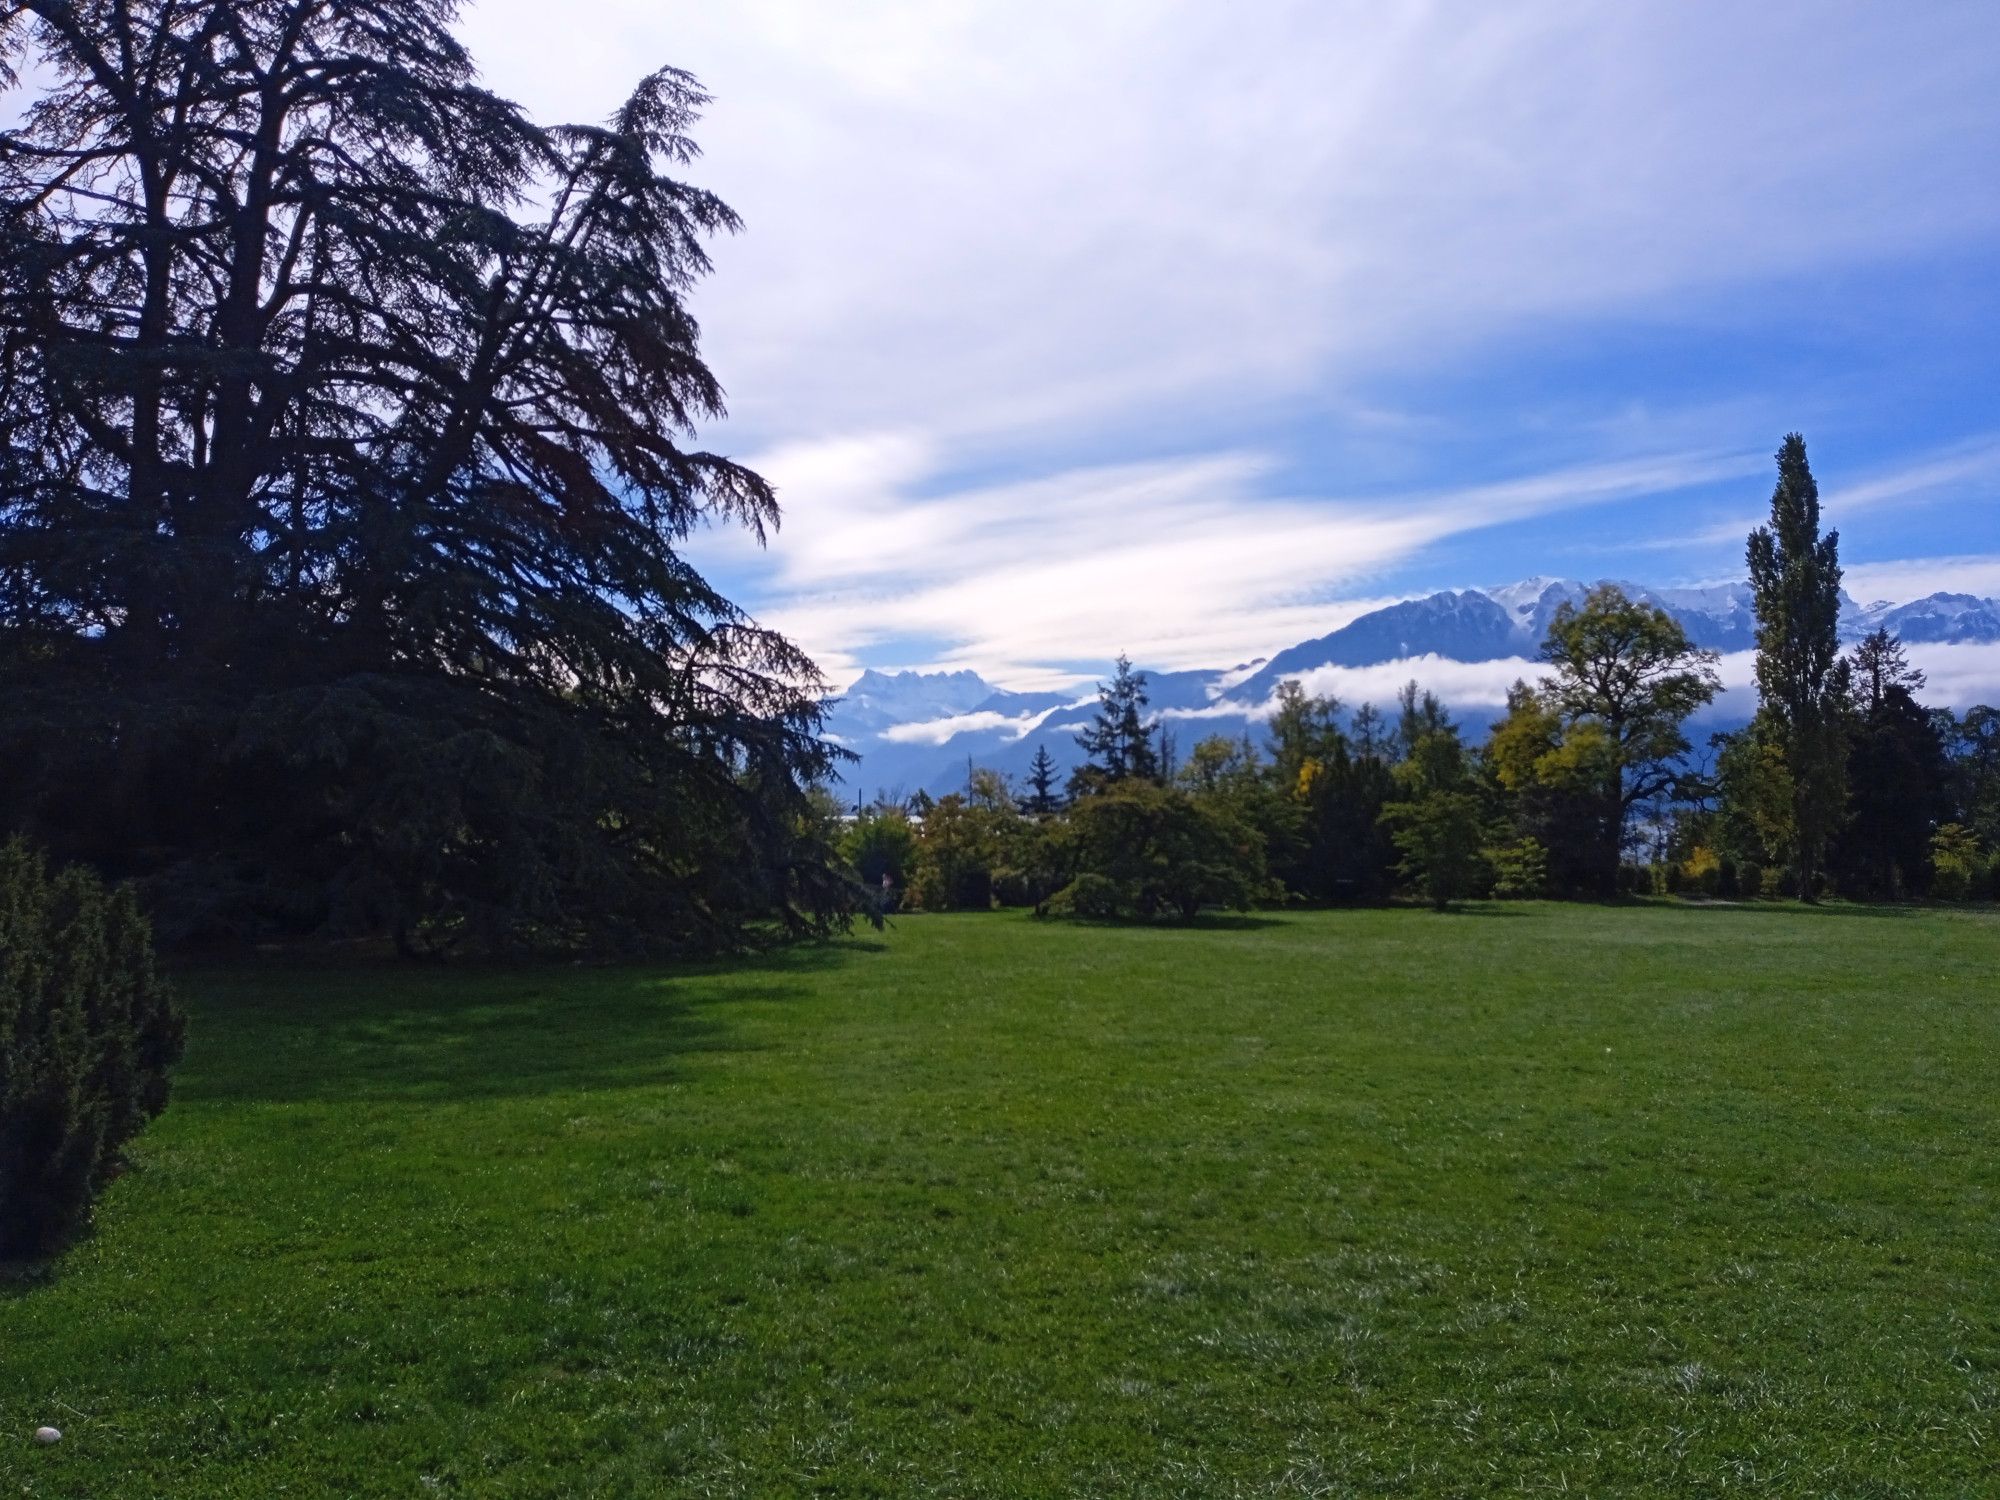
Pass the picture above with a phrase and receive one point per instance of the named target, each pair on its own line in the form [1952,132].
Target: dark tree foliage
[1795,575]
[1877,667]
[1043,799]
[1898,776]
[1118,743]
[1972,744]
[344,458]
[1419,713]
[1339,783]
[1438,821]
[1354,856]
[1304,728]
[88,1034]
[1141,850]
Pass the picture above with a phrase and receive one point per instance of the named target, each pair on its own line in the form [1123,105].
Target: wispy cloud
[939,731]
[1186,563]
[1966,471]
[1027,215]
[1043,244]
[1958,676]
[1913,577]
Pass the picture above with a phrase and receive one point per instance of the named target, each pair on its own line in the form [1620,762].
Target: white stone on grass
[47,1435]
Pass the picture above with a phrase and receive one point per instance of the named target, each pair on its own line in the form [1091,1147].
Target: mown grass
[1650,1200]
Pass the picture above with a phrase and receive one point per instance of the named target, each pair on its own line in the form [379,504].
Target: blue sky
[1193,330]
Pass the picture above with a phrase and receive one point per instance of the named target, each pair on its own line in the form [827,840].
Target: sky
[1193,331]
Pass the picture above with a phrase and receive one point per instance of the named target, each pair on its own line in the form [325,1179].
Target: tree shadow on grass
[1836,909]
[1228,921]
[1208,921]
[23,1278]
[387,1032]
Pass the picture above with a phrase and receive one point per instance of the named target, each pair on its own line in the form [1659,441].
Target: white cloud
[939,731]
[1965,471]
[1001,215]
[1913,577]
[1181,564]
[1463,684]
[1958,676]
[1033,215]
[1024,236]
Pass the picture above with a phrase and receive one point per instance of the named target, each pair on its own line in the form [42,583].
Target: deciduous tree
[1625,680]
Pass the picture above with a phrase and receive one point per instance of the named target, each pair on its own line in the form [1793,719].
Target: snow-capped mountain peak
[1522,600]
[942,719]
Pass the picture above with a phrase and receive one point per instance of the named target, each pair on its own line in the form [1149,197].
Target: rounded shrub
[88,1035]
[1091,895]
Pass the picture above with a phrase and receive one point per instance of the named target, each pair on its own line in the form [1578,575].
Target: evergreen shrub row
[89,1032]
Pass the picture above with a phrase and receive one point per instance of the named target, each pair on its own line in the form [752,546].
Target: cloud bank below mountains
[1181,564]
[1959,675]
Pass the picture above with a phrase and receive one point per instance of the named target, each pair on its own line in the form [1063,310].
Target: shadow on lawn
[1791,908]
[385,1032]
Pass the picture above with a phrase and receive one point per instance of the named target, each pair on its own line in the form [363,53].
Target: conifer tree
[1117,741]
[1801,683]
[1437,824]
[345,458]
[1042,799]
[1898,773]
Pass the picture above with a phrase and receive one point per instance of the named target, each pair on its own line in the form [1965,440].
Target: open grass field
[1652,1200]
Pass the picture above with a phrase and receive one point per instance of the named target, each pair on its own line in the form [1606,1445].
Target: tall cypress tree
[345,455]
[1801,683]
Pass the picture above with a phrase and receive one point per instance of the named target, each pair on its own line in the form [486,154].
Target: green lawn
[1654,1200]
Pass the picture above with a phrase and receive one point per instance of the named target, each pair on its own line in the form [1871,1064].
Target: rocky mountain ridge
[918,729]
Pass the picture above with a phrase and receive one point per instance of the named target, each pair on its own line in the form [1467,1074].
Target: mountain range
[916,730]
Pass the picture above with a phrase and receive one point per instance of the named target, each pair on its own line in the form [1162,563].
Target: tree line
[348,444]
[1588,786]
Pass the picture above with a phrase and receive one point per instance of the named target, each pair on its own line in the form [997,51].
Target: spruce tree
[345,458]
[1117,741]
[1878,667]
[1801,685]
[1042,800]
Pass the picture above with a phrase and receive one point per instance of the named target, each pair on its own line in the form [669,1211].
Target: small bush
[1955,863]
[972,889]
[88,1033]
[879,843]
[1704,873]
[1157,853]
[1013,888]
[1091,895]
[1520,870]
